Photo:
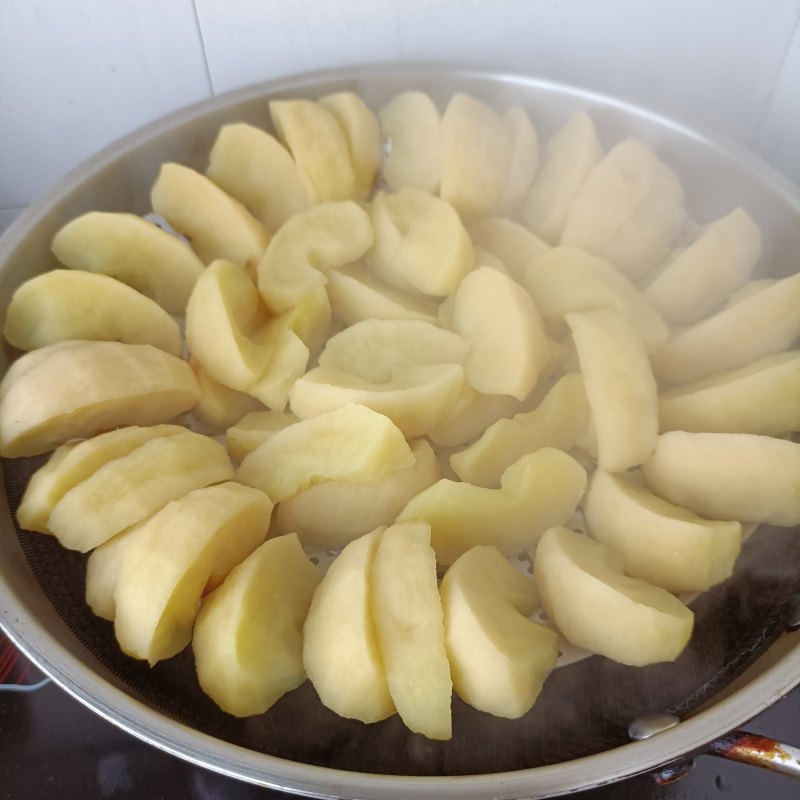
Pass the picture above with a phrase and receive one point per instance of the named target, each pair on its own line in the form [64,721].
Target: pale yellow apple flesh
[253,429]
[523,161]
[513,244]
[219,406]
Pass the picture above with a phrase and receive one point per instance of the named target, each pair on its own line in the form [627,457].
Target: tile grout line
[203,48]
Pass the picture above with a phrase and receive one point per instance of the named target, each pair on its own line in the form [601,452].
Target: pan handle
[760,751]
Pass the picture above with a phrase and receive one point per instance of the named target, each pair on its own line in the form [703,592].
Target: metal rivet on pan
[651,724]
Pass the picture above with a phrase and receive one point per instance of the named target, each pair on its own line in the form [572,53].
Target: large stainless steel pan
[741,658]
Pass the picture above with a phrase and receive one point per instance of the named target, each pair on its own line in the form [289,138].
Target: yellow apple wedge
[247,661]
[253,429]
[597,607]
[560,420]
[762,397]
[190,543]
[407,615]
[509,241]
[134,251]
[619,385]
[310,244]
[127,489]
[220,407]
[740,476]
[658,541]
[103,568]
[522,164]
[413,126]
[331,514]
[102,385]
[319,145]
[537,491]
[759,325]
[216,225]
[699,278]
[340,646]
[499,659]
[568,158]
[350,443]
[75,304]
[258,171]
[74,462]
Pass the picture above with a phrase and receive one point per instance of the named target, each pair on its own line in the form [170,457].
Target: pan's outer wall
[118,179]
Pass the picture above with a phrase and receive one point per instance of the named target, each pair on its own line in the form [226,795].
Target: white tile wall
[76,75]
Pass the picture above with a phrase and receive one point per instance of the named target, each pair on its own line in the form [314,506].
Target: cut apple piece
[407,614]
[762,397]
[134,251]
[499,659]
[421,244]
[219,406]
[356,295]
[74,462]
[522,164]
[253,429]
[363,134]
[327,236]
[258,171]
[350,443]
[560,420]
[729,476]
[319,146]
[509,241]
[127,489]
[75,304]
[340,646]
[538,491]
[507,346]
[476,155]
[331,514]
[103,569]
[190,543]
[101,385]
[762,324]
[567,279]
[216,225]
[413,126]
[569,156]
[247,661]
[699,279]
[416,398]
[596,607]
[658,541]
[620,387]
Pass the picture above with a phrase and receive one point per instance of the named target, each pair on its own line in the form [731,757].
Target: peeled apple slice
[216,225]
[499,659]
[538,491]
[413,125]
[219,406]
[134,251]
[568,279]
[476,156]
[507,346]
[72,463]
[569,156]
[407,614]
[763,323]
[310,244]
[620,387]
[340,646]
[699,279]
[258,171]
[127,489]
[509,241]
[319,146]
[253,429]
[246,662]
[421,244]
[522,163]
[101,385]
[331,514]
[102,572]
[417,398]
[762,397]
[560,420]
[363,134]
[598,608]
[738,476]
[350,443]
[75,304]
[165,570]
[658,541]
